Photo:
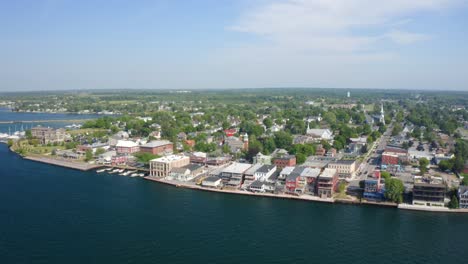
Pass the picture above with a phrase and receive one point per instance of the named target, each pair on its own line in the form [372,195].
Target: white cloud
[332,25]
[402,37]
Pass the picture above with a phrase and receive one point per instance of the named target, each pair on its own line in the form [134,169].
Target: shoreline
[64,163]
[408,207]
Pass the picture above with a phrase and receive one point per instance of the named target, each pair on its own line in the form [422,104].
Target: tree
[453,202]
[28,134]
[446,164]
[145,157]
[268,122]
[342,187]
[100,151]
[385,174]
[423,163]
[88,155]
[394,189]
[10,142]
[396,129]
[330,118]
[269,145]
[465,181]
[300,158]
[283,139]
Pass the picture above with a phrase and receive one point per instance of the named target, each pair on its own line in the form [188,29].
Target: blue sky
[65,44]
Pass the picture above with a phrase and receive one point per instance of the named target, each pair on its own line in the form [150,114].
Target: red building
[119,160]
[285,161]
[127,147]
[230,132]
[158,147]
[190,143]
[393,156]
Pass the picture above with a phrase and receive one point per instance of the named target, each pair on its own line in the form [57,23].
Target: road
[372,158]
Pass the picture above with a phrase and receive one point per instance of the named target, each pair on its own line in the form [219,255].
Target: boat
[108,169]
[101,170]
[134,175]
[141,175]
[126,173]
[114,171]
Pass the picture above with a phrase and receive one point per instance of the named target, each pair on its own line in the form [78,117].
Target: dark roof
[343,161]
[212,179]
[257,184]
[463,189]
[192,166]
[265,168]
[286,157]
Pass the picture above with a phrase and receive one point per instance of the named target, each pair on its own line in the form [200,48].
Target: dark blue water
[7,115]
[56,215]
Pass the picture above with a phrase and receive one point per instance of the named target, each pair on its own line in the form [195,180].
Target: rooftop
[266,168]
[237,167]
[347,162]
[428,181]
[169,158]
[156,143]
[328,173]
[253,169]
[310,172]
[287,170]
[212,179]
[126,144]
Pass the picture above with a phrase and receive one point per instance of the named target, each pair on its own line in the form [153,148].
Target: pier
[65,163]
[46,121]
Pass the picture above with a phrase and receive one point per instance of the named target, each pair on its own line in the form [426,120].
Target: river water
[50,214]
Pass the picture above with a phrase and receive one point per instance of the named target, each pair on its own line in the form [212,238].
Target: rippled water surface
[56,215]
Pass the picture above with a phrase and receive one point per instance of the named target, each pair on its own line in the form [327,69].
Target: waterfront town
[381,151]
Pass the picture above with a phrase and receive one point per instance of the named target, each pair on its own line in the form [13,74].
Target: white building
[320,134]
[264,172]
[212,182]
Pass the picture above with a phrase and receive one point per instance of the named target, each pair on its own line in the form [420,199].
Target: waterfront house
[284,173]
[106,157]
[187,172]
[292,179]
[158,147]
[259,186]
[249,175]
[429,191]
[463,196]
[308,180]
[212,182]
[235,171]
[119,159]
[127,147]
[161,167]
[327,182]
[264,172]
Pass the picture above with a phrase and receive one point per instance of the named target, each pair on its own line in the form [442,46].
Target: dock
[47,121]
[65,163]
[239,192]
